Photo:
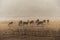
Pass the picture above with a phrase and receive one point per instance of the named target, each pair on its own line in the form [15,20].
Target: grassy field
[48,31]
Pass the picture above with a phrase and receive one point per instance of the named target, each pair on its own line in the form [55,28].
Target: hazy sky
[29,8]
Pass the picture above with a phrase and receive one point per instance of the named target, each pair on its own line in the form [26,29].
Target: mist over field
[29,8]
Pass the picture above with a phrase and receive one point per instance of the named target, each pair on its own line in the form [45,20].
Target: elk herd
[37,22]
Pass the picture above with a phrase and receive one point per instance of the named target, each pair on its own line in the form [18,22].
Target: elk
[37,21]
[40,22]
[10,23]
[20,22]
[25,23]
[44,21]
[31,22]
[48,21]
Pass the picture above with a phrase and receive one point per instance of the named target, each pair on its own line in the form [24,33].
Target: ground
[47,31]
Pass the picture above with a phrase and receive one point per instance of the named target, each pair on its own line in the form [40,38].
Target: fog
[29,9]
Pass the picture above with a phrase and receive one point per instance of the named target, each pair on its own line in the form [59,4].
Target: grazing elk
[31,22]
[40,22]
[10,23]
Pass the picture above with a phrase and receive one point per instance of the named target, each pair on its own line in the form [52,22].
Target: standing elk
[37,21]
[44,21]
[31,22]
[48,21]
[20,23]
[25,23]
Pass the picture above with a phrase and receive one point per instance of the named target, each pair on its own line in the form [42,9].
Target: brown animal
[10,23]
[48,21]
[31,22]
[37,21]
[40,22]
[20,23]
[44,21]
[25,23]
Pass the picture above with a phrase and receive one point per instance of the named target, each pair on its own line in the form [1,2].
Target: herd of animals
[37,22]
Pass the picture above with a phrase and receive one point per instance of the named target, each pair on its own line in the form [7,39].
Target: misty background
[29,9]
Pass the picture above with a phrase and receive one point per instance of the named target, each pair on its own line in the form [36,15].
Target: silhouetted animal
[37,21]
[47,21]
[40,22]
[25,23]
[31,22]
[44,21]
[20,23]
[10,23]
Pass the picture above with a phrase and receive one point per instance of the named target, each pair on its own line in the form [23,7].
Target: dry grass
[33,32]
